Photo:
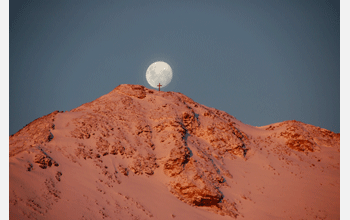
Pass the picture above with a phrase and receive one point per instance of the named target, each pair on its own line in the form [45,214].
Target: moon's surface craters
[159,72]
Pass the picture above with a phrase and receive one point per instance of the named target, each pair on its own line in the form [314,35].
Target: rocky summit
[137,153]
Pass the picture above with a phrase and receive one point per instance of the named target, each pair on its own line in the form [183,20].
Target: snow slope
[137,153]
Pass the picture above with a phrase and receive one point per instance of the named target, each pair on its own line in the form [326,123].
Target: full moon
[159,72]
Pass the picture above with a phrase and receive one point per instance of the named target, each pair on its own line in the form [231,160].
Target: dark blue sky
[260,61]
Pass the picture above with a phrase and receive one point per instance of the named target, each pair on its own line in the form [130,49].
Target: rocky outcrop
[176,161]
[141,165]
[132,90]
[307,138]
[35,133]
[44,161]
[124,127]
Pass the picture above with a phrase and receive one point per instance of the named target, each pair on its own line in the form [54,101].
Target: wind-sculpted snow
[137,146]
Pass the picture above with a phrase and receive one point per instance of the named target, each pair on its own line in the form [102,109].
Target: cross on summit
[159,86]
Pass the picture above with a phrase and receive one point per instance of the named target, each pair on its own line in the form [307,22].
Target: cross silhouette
[159,86]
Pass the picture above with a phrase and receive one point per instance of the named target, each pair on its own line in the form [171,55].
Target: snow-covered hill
[138,153]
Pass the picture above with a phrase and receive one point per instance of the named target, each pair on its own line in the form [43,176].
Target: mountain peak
[137,91]
[140,153]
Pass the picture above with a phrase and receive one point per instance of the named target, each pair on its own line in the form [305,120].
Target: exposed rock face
[178,132]
[145,132]
[44,161]
[34,134]
[132,90]
[305,138]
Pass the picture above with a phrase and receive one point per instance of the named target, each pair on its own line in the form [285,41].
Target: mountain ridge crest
[134,132]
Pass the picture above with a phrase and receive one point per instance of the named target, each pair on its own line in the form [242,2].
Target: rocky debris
[172,125]
[123,170]
[198,187]
[198,196]
[194,186]
[35,133]
[196,181]
[326,138]
[29,166]
[307,138]
[109,175]
[145,164]
[81,134]
[83,152]
[144,131]
[271,128]
[35,206]
[176,161]
[298,138]
[102,146]
[224,138]
[117,148]
[190,121]
[301,145]
[226,207]
[58,176]
[132,90]
[84,130]
[51,189]
[44,161]
[328,134]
